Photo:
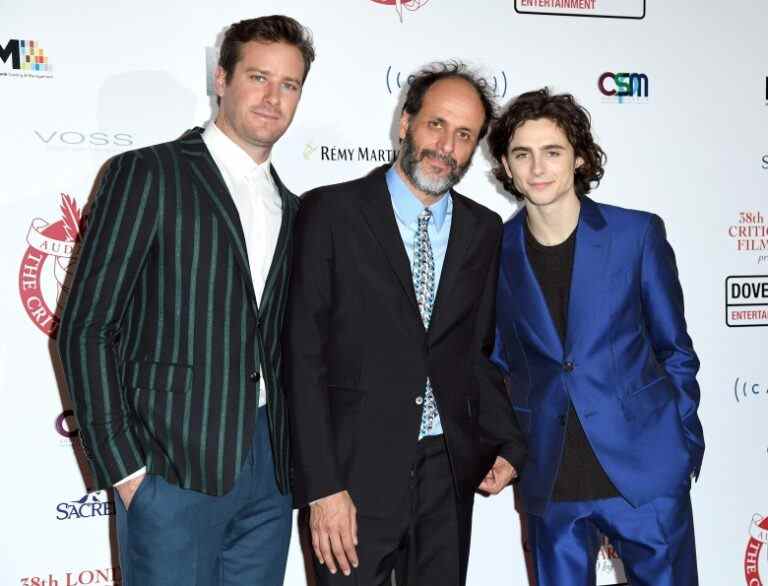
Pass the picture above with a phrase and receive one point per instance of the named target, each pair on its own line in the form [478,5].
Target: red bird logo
[401,5]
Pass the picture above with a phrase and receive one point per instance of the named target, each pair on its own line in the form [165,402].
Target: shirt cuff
[140,472]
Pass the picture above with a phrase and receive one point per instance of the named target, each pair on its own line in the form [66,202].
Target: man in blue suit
[601,370]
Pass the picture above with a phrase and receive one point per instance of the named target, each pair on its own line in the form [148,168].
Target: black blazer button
[254,376]
[568,366]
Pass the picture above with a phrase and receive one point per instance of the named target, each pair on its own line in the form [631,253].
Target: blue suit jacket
[627,365]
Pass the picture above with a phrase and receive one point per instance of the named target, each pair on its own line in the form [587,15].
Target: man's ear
[220,81]
[505,163]
[405,121]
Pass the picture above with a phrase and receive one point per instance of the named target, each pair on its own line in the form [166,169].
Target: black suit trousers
[425,542]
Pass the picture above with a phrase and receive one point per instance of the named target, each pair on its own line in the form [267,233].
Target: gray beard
[435,186]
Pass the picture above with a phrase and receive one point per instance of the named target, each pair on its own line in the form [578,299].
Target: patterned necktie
[424,286]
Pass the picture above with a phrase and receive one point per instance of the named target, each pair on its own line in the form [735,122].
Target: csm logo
[623,86]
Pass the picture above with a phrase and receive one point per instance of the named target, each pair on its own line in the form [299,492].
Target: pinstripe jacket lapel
[210,181]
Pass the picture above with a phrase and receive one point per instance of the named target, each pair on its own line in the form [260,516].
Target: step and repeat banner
[678,93]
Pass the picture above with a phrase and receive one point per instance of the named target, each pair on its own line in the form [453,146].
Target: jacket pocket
[633,392]
[640,403]
[158,376]
[523,416]
[345,401]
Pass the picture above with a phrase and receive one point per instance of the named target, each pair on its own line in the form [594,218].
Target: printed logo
[621,88]
[350,154]
[45,264]
[602,8]
[66,428]
[754,567]
[100,576]
[96,504]
[26,59]
[750,233]
[403,5]
[746,301]
[764,162]
[395,81]
[744,390]
[76,139]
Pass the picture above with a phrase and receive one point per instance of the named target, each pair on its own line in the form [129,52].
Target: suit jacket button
[568,366]
[254,376]
[419,400]
[562,420]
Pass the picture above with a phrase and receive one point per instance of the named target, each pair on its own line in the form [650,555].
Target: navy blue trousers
[655,541]
[171,536]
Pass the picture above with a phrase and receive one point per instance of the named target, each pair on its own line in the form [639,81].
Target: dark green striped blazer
[161,338]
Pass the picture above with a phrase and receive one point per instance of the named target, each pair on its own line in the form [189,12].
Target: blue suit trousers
[655,541]
[172,536]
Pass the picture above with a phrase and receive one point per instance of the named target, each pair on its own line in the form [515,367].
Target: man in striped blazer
[170,339]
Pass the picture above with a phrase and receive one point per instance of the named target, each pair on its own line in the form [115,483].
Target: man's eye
[554,153]
[257,77]
[435,124]
[291,87]
[519,156]
[465,136]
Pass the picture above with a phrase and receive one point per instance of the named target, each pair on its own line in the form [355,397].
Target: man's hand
[499,476]
[333,521]
[127,489]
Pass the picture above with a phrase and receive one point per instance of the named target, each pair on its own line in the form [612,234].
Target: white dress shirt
[260,209]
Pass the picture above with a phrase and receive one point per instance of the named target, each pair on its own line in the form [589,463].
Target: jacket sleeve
[315,473]
[119,236]
[496,418]
[665,321]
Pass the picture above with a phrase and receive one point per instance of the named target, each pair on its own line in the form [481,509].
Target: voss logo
[77,138]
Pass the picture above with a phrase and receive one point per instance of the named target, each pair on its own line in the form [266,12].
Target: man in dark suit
[591,333]
[171,335]
[397,414]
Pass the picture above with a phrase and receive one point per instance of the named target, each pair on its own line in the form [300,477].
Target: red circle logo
[43,270]
[758,537]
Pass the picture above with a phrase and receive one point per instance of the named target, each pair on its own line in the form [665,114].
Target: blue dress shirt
[407,209]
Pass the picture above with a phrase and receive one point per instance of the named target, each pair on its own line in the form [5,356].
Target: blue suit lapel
[528,298]
[589,268]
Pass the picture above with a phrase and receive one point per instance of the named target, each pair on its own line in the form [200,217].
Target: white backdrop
[122,75]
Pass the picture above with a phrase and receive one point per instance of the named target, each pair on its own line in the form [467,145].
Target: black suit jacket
[357,354]
[161,338]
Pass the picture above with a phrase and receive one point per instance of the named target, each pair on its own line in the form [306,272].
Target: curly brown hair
[420,82]
[563,110]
